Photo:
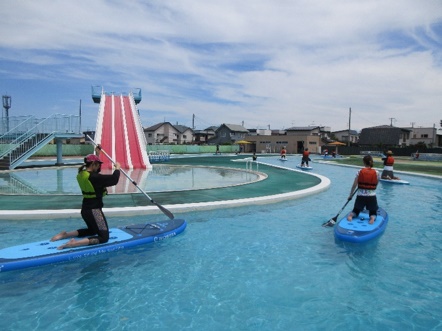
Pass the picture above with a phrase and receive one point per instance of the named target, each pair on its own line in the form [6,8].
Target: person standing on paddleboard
[283,153]
[94,187]
[365,182]
[305,157]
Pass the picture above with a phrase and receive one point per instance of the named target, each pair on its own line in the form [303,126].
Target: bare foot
[69,244]
[372,219]
[350,217]
[59,236]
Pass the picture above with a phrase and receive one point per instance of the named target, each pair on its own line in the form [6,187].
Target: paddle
[164,210]
[332,221]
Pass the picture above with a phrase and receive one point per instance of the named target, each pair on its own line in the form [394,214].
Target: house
[203,136]
[294,139]
[308,137]
[166,133]
[385,135]
[185,136]
[342,136]
[424,136]
[228,134]
[260,132]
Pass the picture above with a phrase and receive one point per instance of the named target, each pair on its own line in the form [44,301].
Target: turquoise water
[263,267]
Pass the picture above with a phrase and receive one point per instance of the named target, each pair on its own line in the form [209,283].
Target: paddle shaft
[351,197]
[332,221]
[167,212]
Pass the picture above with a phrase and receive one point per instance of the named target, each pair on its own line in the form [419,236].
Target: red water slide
[121,145]
[119,136]
[106,131]
[136,156]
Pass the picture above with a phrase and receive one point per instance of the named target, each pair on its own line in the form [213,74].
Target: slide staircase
[30,135]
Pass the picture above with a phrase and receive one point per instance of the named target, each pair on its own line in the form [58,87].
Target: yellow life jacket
[87,189]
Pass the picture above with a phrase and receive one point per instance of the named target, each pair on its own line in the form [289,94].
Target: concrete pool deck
[281,184]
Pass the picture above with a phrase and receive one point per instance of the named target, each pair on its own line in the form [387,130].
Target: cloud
[278,63]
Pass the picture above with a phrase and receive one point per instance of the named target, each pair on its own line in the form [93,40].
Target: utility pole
[7,105]
[79,112]
[193,121]
[391,121]
[349,126]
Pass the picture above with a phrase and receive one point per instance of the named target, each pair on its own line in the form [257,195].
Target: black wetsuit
[91,209]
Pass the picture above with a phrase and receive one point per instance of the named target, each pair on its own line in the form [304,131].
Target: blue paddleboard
[303,167]
[359,230]
[394,181]
[46,252]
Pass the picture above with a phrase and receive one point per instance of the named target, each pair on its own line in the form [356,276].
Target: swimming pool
[161,178]
[257,267]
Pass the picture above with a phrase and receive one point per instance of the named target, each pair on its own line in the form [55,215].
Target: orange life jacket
[305,153]
[389,161]
[367,179]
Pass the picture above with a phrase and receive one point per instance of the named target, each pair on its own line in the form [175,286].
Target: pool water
[161,178]
[257,267]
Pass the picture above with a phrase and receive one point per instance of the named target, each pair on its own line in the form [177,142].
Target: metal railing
[18,128]
[33,132]
[159,156]
[12,122]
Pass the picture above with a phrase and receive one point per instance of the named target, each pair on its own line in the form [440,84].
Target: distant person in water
[365,182]
[93,186]
[305,158]
[416,155]
[254,157]
[283,153]
[387,173]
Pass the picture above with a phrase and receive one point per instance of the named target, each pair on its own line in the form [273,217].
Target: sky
[258,63]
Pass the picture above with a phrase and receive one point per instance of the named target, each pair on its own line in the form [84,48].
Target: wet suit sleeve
[109,180]
[100,182]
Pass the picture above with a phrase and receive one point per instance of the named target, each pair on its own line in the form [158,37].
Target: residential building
[203,136]
[185,136]
[260,132]
[343,135]
[424,136]
[228,134]
[309,137]
[166,133]
[295,140]
[385,135]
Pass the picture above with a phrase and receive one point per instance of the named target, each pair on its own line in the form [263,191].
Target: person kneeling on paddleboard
[365,182]
[94,187]
[387,173]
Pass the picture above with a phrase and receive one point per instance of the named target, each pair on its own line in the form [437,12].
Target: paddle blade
[330,223]
[166,212]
